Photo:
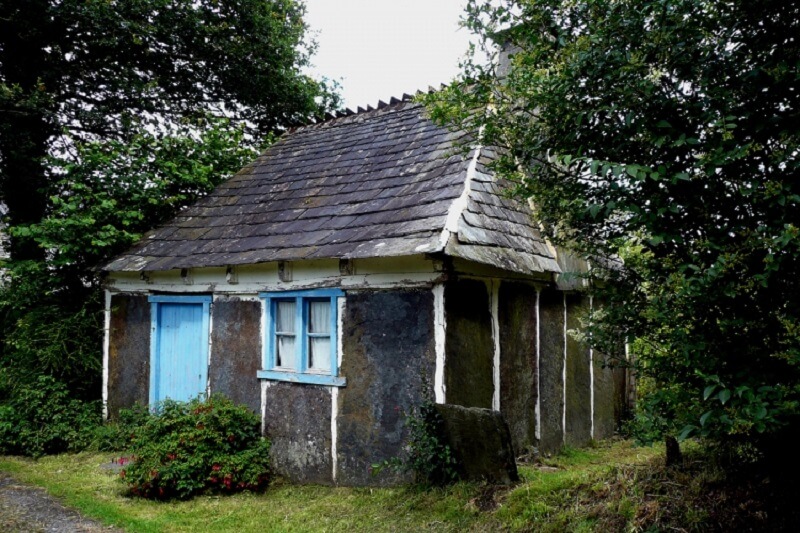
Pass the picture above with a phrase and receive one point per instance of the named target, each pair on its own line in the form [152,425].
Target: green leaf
[724,396]
[708,391]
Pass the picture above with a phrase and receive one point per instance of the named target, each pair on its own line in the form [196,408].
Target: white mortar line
[439,331]
[334,432]
[106,348]
[591,370]
[340,303]
[494,309]
[538,412]
[264,386]
[210,350]
[564,378]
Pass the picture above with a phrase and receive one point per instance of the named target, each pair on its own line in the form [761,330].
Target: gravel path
[30,509]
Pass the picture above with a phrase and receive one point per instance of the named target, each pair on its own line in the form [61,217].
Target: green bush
[186,448]
[41,418]
[117,435]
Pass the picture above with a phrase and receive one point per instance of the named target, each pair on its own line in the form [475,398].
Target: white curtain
[319,322]
[284,329]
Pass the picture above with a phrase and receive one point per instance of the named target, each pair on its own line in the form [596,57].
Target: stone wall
[604,419]
[469,348]
[579,382]
[236,351]
[389,356]
[551,370]
[128,352]
[297,419]
[518,372]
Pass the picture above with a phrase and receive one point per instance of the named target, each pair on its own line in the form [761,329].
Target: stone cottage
[355,267]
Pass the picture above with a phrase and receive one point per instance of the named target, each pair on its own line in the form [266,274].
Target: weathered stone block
[551,370]
[604,421]
[389,359]
[236,351]
[128,352]
[469,348]
[481,443]
[518,372]
[579,382]
[298,423]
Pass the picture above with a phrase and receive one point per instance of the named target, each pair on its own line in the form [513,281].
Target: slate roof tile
[374,184]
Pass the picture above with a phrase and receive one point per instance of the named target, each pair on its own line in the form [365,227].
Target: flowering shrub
[187,448]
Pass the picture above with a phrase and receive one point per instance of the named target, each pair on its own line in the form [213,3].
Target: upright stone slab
[604,420]
[480,442]
[128,352]
[298,423]
[469,348]
[622,408]
[518,372]
[579,381]
[389,353]
[236,351]
[551,370]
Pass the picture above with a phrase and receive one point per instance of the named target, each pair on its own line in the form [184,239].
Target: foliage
[427,455]
[95,214]
[48,329]
[51,311]
[118,435]
[104,70]
[113,116]
[42,419]
[663,133]
[202,445]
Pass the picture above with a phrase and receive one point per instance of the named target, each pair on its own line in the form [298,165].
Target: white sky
[378,49]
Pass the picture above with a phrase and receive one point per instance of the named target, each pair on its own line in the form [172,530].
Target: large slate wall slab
[604,400]
[469,348]
[389,350]
[128,352]
[298,422]
[518,372]
[236,351]
[551,369]
[578,383]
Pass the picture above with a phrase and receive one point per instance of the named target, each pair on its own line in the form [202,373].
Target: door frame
[155,300]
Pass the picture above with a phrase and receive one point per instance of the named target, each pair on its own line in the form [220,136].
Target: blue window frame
[301,337]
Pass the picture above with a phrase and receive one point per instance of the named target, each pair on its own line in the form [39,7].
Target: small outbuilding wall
[464,338]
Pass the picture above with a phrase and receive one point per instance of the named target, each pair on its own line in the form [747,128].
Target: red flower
[215,468]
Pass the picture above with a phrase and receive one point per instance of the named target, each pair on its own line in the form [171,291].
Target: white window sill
[295,377]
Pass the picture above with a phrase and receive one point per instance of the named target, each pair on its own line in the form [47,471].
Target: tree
[665,133]
[114,114]
[101,69]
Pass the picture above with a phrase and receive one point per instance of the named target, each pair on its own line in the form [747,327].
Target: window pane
[284,356]
[320,316]
[284,317]
[319,353]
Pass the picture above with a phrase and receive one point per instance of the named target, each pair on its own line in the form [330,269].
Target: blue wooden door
[179,358]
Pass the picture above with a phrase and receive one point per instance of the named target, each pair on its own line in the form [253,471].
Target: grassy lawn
[579,490]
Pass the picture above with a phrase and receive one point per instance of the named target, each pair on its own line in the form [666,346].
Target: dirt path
[27,509]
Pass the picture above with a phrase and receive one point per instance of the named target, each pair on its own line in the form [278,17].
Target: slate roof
[378,183]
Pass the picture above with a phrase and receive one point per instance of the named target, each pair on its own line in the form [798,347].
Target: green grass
[551,497]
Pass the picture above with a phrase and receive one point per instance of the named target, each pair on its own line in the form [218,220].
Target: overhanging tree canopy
[97,68]
[666,132]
